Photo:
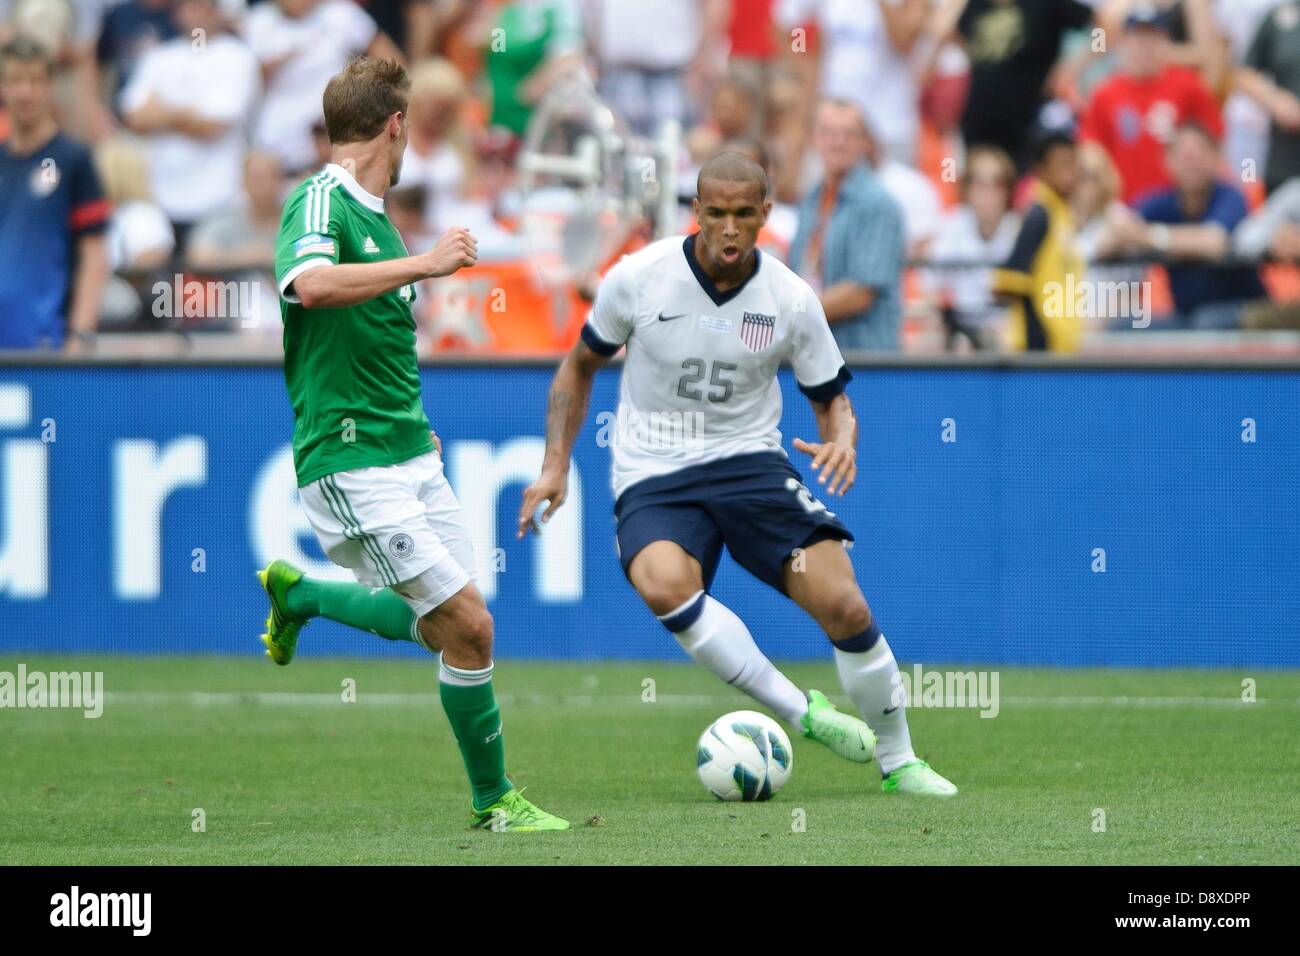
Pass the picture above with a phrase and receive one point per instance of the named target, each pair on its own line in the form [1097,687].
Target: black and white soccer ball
[744,755]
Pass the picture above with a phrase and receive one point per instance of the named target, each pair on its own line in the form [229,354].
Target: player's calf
[671,582]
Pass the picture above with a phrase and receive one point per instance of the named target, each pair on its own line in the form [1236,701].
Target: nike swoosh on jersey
[669,318]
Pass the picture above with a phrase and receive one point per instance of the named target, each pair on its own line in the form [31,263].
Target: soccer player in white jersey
[698,463]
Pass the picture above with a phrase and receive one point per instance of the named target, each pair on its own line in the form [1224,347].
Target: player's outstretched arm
[351,283]
[566,410]
[835,455]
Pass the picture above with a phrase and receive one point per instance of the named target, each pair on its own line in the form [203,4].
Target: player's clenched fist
[838,464]
[456,249]
[548,487]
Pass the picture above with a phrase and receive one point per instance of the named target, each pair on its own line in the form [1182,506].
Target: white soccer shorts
[396,526]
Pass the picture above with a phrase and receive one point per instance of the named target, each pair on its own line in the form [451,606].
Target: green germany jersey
[352,373]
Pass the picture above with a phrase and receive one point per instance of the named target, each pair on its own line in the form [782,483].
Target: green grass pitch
[286,772]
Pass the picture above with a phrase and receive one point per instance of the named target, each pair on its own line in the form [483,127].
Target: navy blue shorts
[757,505]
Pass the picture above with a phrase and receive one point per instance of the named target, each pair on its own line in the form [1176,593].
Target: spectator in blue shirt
[1189,224]
[52,215]
[850,241]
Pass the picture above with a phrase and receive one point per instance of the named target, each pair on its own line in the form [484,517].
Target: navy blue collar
[718,296]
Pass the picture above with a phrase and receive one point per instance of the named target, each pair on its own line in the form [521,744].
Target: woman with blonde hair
[140,239]
[439,155]
[1096,196]
[1097,208]
[140,235]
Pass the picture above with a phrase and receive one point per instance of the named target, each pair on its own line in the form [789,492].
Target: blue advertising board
[1007,516]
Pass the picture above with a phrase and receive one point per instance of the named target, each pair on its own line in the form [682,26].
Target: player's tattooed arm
[566,410]
[835,456]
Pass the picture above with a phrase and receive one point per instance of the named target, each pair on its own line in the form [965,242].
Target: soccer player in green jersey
[369,474]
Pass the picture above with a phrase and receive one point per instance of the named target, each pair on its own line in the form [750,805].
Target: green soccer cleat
[282,626]
[917,778]
[513,814]
[844,734]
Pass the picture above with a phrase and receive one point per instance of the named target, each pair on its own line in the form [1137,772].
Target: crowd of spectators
[945,173]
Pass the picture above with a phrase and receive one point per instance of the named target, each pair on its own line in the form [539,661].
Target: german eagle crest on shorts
[401,545]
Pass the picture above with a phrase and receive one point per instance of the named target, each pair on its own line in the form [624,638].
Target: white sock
[871,680]
[721,642]
[463,677]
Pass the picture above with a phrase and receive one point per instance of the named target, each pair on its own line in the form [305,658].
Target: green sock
[379,612]
[471,707]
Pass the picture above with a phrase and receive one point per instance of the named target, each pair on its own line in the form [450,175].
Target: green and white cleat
[513,814]
[916,777]
[282,626]
[844,734]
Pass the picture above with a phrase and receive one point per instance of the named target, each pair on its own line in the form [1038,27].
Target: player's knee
[477,632]
[668,595]
[470,637]
[846,616]
[664,585]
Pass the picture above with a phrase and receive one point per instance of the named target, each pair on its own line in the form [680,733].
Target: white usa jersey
[699,380]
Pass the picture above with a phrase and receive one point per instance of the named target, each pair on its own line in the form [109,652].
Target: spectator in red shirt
[750,30]
[1133,115]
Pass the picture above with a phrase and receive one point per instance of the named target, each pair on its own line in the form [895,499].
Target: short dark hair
[1050,140]
[1198,128]
[753,148]
[732,167]
[359,99]
[406,198]
[26,50]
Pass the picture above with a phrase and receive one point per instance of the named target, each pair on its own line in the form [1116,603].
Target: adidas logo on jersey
[369,246]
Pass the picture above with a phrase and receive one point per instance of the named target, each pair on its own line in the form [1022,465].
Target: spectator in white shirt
[647,52]
[866,57]
[300,45]
[192,97]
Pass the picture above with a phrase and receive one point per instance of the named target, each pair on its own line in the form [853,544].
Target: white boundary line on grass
[430,698]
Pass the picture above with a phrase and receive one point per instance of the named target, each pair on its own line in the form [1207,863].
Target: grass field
[285,772]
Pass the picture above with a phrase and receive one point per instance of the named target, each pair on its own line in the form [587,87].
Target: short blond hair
[359,99]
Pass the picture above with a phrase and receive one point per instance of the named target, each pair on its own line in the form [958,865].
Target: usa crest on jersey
[756,330]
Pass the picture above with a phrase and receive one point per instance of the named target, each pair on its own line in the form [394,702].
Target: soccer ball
[744,755]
